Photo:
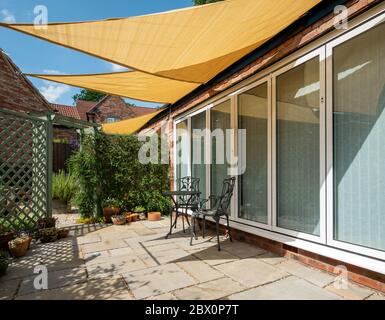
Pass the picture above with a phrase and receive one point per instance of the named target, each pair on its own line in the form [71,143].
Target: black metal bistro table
[181,208]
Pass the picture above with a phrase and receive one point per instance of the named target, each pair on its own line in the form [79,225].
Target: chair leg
[192,231]
[204,227]
[183,216]
[228,228]
[217,223]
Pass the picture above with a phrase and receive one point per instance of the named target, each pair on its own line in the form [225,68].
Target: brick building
[312,100]
[17,93]
[109,109]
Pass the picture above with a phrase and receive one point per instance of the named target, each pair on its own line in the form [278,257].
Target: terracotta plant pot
[48,235]
[118,220]
[108,212]
[128,216]
[154,216]
[135,217]
[62,233]
[19,247]
[46,223]
[4,239]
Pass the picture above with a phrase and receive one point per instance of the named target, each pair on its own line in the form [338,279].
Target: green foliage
[64,186]
[61,140]
[88,95]
[200,2]
[91,220]
[109,172]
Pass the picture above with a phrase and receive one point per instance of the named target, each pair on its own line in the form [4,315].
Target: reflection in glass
[298,148]
[359,140]
[253,184]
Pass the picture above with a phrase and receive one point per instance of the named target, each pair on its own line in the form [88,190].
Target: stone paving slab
[108,289]
[251,272]
[272,258]
[155,281]
[170,256]
[290,288]
[214,257]
[56,279]
[163,297]
[103,246]
[352,291]
[242,250]
[212,290]
[114,267]
[8,288]
[376,296]
[314,276]
[199,270]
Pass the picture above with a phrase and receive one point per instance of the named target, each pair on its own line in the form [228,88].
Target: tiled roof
[67,111]
[141,111]
[84,107]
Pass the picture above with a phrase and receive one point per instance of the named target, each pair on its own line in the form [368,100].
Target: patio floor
[136,262]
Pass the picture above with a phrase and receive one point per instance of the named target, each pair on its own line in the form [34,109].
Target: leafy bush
[108,169]
[64,186]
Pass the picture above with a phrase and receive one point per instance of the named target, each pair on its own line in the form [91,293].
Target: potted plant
[5,237]
[48,235]
[118,220]
[111,207]
[62,233]
[46,223]
[4,262]
[155,205]
[27,235]
[19,246]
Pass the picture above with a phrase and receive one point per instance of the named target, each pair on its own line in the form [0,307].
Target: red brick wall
[65,133]
[16,93]
[113,106]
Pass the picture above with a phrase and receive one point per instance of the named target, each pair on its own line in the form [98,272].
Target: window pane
[359,140]
[298,148]
[198,167]
[220,121]
[252,116]
[182,149]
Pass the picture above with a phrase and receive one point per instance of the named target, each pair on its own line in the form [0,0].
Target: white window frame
[331,241]
[235,216]
[320,52]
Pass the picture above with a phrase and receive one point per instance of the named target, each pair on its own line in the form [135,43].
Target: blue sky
[37,56]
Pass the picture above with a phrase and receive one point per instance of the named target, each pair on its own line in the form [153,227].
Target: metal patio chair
[219,207]
[186,203]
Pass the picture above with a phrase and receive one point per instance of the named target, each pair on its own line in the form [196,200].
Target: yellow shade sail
[132,84]
[129,126]
[192,44]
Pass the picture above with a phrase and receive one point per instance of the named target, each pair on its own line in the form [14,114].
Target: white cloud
[8,16]
[117,68]
[53,92]
[49,71]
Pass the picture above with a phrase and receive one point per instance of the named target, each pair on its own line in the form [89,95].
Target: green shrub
[108,168]
[64,186]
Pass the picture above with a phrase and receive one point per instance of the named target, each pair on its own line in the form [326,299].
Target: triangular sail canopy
[129,126]
[192,44]
[131,84]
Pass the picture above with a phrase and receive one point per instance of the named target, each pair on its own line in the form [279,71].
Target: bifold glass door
[299,147]
[220,118]
[253,187]
[182,148]
[198,150]
[357,136]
